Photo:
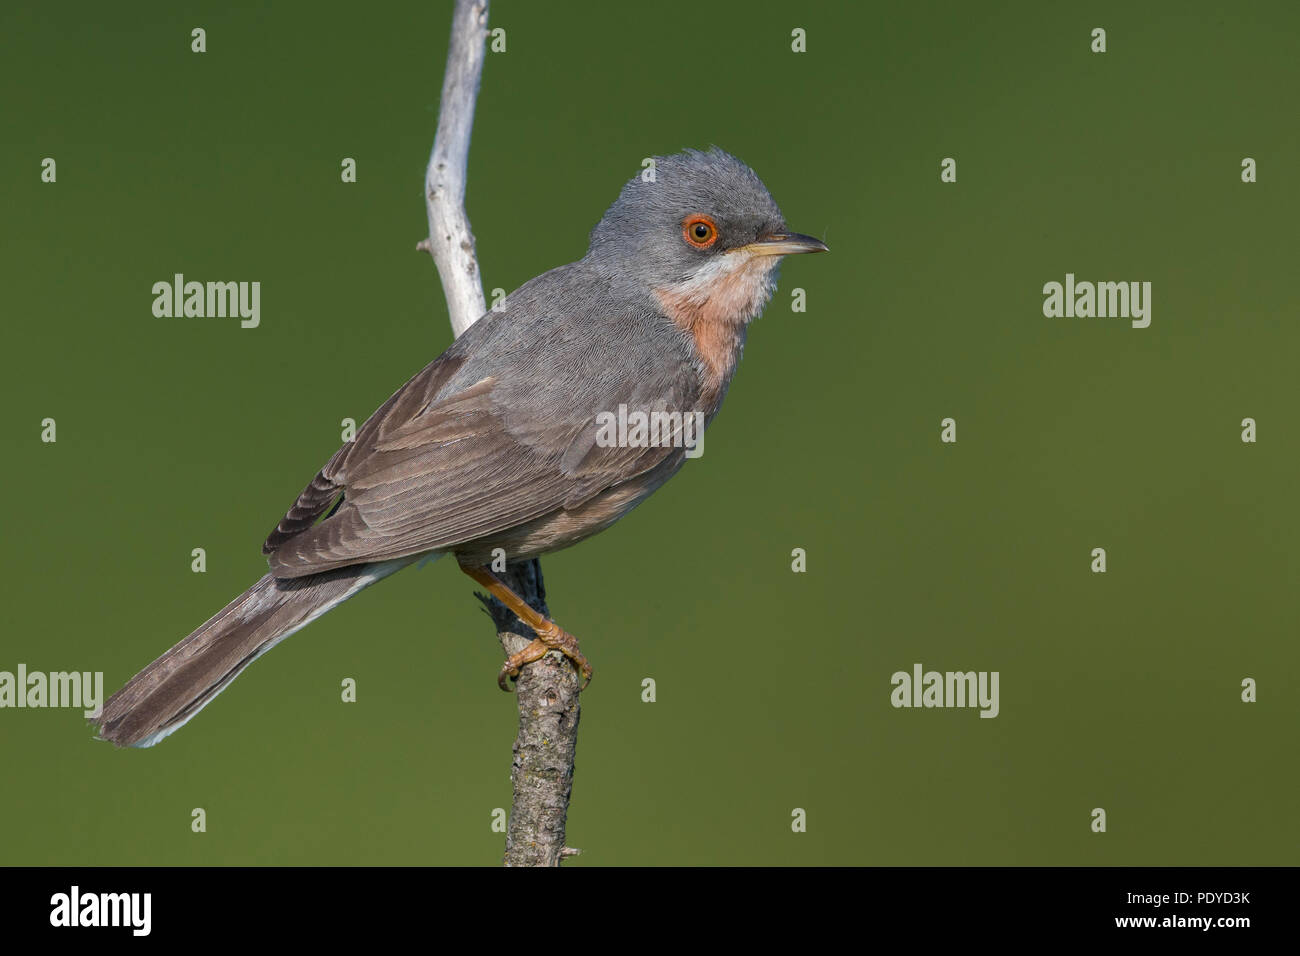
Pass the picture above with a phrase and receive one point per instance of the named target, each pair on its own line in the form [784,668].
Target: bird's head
[699,231]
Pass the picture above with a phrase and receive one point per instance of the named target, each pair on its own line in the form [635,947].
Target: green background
[1118,690]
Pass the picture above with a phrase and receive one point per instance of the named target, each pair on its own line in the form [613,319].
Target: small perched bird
[503,440]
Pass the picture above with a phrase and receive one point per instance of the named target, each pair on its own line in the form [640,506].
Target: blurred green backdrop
[1118,690]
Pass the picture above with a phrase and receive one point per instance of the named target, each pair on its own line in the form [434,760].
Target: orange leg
[550,636]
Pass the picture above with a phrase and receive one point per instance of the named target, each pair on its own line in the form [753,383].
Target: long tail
[175,687]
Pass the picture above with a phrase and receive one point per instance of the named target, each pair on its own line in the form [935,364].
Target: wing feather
[499,430]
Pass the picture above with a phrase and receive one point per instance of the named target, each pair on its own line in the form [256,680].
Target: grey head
[693,214]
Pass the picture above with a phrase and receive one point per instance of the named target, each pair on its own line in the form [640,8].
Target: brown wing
[324,489]
[425,475]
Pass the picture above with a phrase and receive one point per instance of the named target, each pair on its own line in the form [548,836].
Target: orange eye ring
[699,231]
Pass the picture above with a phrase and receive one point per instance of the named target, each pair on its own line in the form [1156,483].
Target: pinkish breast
[714,307]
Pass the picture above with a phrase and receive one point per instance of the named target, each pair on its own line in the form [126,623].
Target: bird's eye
[700,231]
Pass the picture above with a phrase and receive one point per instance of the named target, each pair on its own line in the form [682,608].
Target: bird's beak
[785,244]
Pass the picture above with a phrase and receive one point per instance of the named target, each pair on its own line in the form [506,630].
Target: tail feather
[166,694]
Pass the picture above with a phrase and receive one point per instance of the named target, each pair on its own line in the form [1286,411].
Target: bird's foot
[550,637]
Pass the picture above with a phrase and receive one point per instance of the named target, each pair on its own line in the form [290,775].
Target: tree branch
[544,750]
[450,242]
[547,690]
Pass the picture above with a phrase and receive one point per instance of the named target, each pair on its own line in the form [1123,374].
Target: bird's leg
[550,636]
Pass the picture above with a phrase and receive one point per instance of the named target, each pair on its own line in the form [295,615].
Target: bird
[502,441]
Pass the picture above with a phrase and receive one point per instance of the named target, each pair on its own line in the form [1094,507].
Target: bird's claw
[550,637]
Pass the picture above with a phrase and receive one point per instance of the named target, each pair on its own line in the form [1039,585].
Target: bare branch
[547,690]
[542,770]
[450,242]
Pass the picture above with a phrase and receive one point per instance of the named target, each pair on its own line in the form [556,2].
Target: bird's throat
[714,307]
